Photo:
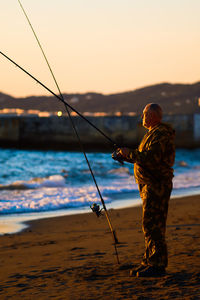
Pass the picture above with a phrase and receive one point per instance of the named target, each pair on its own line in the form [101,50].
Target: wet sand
[72,257]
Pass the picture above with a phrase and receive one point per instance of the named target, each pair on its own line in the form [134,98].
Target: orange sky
[103,46]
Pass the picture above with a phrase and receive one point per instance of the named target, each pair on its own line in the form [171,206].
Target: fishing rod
[115,156]
[59,98]
[77,135]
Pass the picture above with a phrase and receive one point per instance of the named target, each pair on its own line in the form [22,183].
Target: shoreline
[15,223]
[72,257]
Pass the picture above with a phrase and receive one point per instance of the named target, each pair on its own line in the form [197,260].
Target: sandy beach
[72,257]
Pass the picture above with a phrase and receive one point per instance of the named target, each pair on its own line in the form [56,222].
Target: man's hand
[123,151]
[120,154]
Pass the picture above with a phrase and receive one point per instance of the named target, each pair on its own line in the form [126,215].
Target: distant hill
[173,98]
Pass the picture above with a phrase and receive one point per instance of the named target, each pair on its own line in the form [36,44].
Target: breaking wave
[60,180]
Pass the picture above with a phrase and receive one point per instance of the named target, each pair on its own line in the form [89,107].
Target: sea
[39,184]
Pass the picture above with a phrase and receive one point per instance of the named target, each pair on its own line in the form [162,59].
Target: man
[153,162]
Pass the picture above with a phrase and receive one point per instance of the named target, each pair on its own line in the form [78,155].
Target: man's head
[151,116]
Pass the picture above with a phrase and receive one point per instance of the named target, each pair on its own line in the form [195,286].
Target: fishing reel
[118,157]
[96,209]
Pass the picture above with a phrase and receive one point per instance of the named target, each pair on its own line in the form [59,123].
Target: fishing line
[40,46]
[76,133]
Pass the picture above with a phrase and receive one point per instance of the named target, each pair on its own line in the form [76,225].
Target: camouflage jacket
[154,158]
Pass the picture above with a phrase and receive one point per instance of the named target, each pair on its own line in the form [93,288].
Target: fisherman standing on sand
[153,162]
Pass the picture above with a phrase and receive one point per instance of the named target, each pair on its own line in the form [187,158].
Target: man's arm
[150,157]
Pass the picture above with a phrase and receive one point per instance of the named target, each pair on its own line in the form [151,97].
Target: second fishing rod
[69,106]
[76,132]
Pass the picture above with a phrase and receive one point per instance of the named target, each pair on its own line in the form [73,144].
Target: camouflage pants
[155,200]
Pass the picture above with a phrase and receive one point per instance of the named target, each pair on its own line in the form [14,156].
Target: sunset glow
[100,46]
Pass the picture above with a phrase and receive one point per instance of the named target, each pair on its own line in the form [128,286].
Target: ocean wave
[122,171]
[54,198]
[36,183]
[187,180]
[46,199]
[61,180]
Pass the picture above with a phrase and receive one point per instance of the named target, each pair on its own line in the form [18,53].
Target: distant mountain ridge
[173,98]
